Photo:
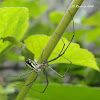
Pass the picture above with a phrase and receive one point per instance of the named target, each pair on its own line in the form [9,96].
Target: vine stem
[74,6]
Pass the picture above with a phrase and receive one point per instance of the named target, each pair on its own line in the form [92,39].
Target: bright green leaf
[13,23]
[77,55]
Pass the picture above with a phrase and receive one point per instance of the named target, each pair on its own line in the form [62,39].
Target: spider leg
[66,70]
[24,74]
[46,84]
[63,43]
[30,82]
[46,80]
[59,53]
[34,80]
[62,53]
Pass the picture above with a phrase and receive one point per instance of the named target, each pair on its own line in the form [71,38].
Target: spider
[36,67]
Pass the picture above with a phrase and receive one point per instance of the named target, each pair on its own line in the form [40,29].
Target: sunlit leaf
[77,55]
[13,23]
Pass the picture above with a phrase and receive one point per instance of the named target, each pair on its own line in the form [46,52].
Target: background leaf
[55,17]
[33,5]
[67,92]
[93,35]
[93,20]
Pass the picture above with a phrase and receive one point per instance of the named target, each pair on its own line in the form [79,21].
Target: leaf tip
[97,68]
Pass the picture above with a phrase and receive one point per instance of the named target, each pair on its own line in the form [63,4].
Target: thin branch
[52,43]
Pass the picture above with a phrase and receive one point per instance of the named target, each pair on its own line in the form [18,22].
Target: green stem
[51,44]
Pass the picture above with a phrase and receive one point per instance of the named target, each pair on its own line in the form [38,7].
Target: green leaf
[93,19]
[15,57]
[35,7]
[93,35]
[55,17]
[42,29]
[13,23]
[78,37]
[67,92]
[77,55]
[8,89]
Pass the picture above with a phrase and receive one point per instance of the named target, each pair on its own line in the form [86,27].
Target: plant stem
[52,43]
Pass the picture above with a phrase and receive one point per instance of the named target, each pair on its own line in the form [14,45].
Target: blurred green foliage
[35,7]
[93,20]
[4,91]
[57,15]
[14,24]
[69,92]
